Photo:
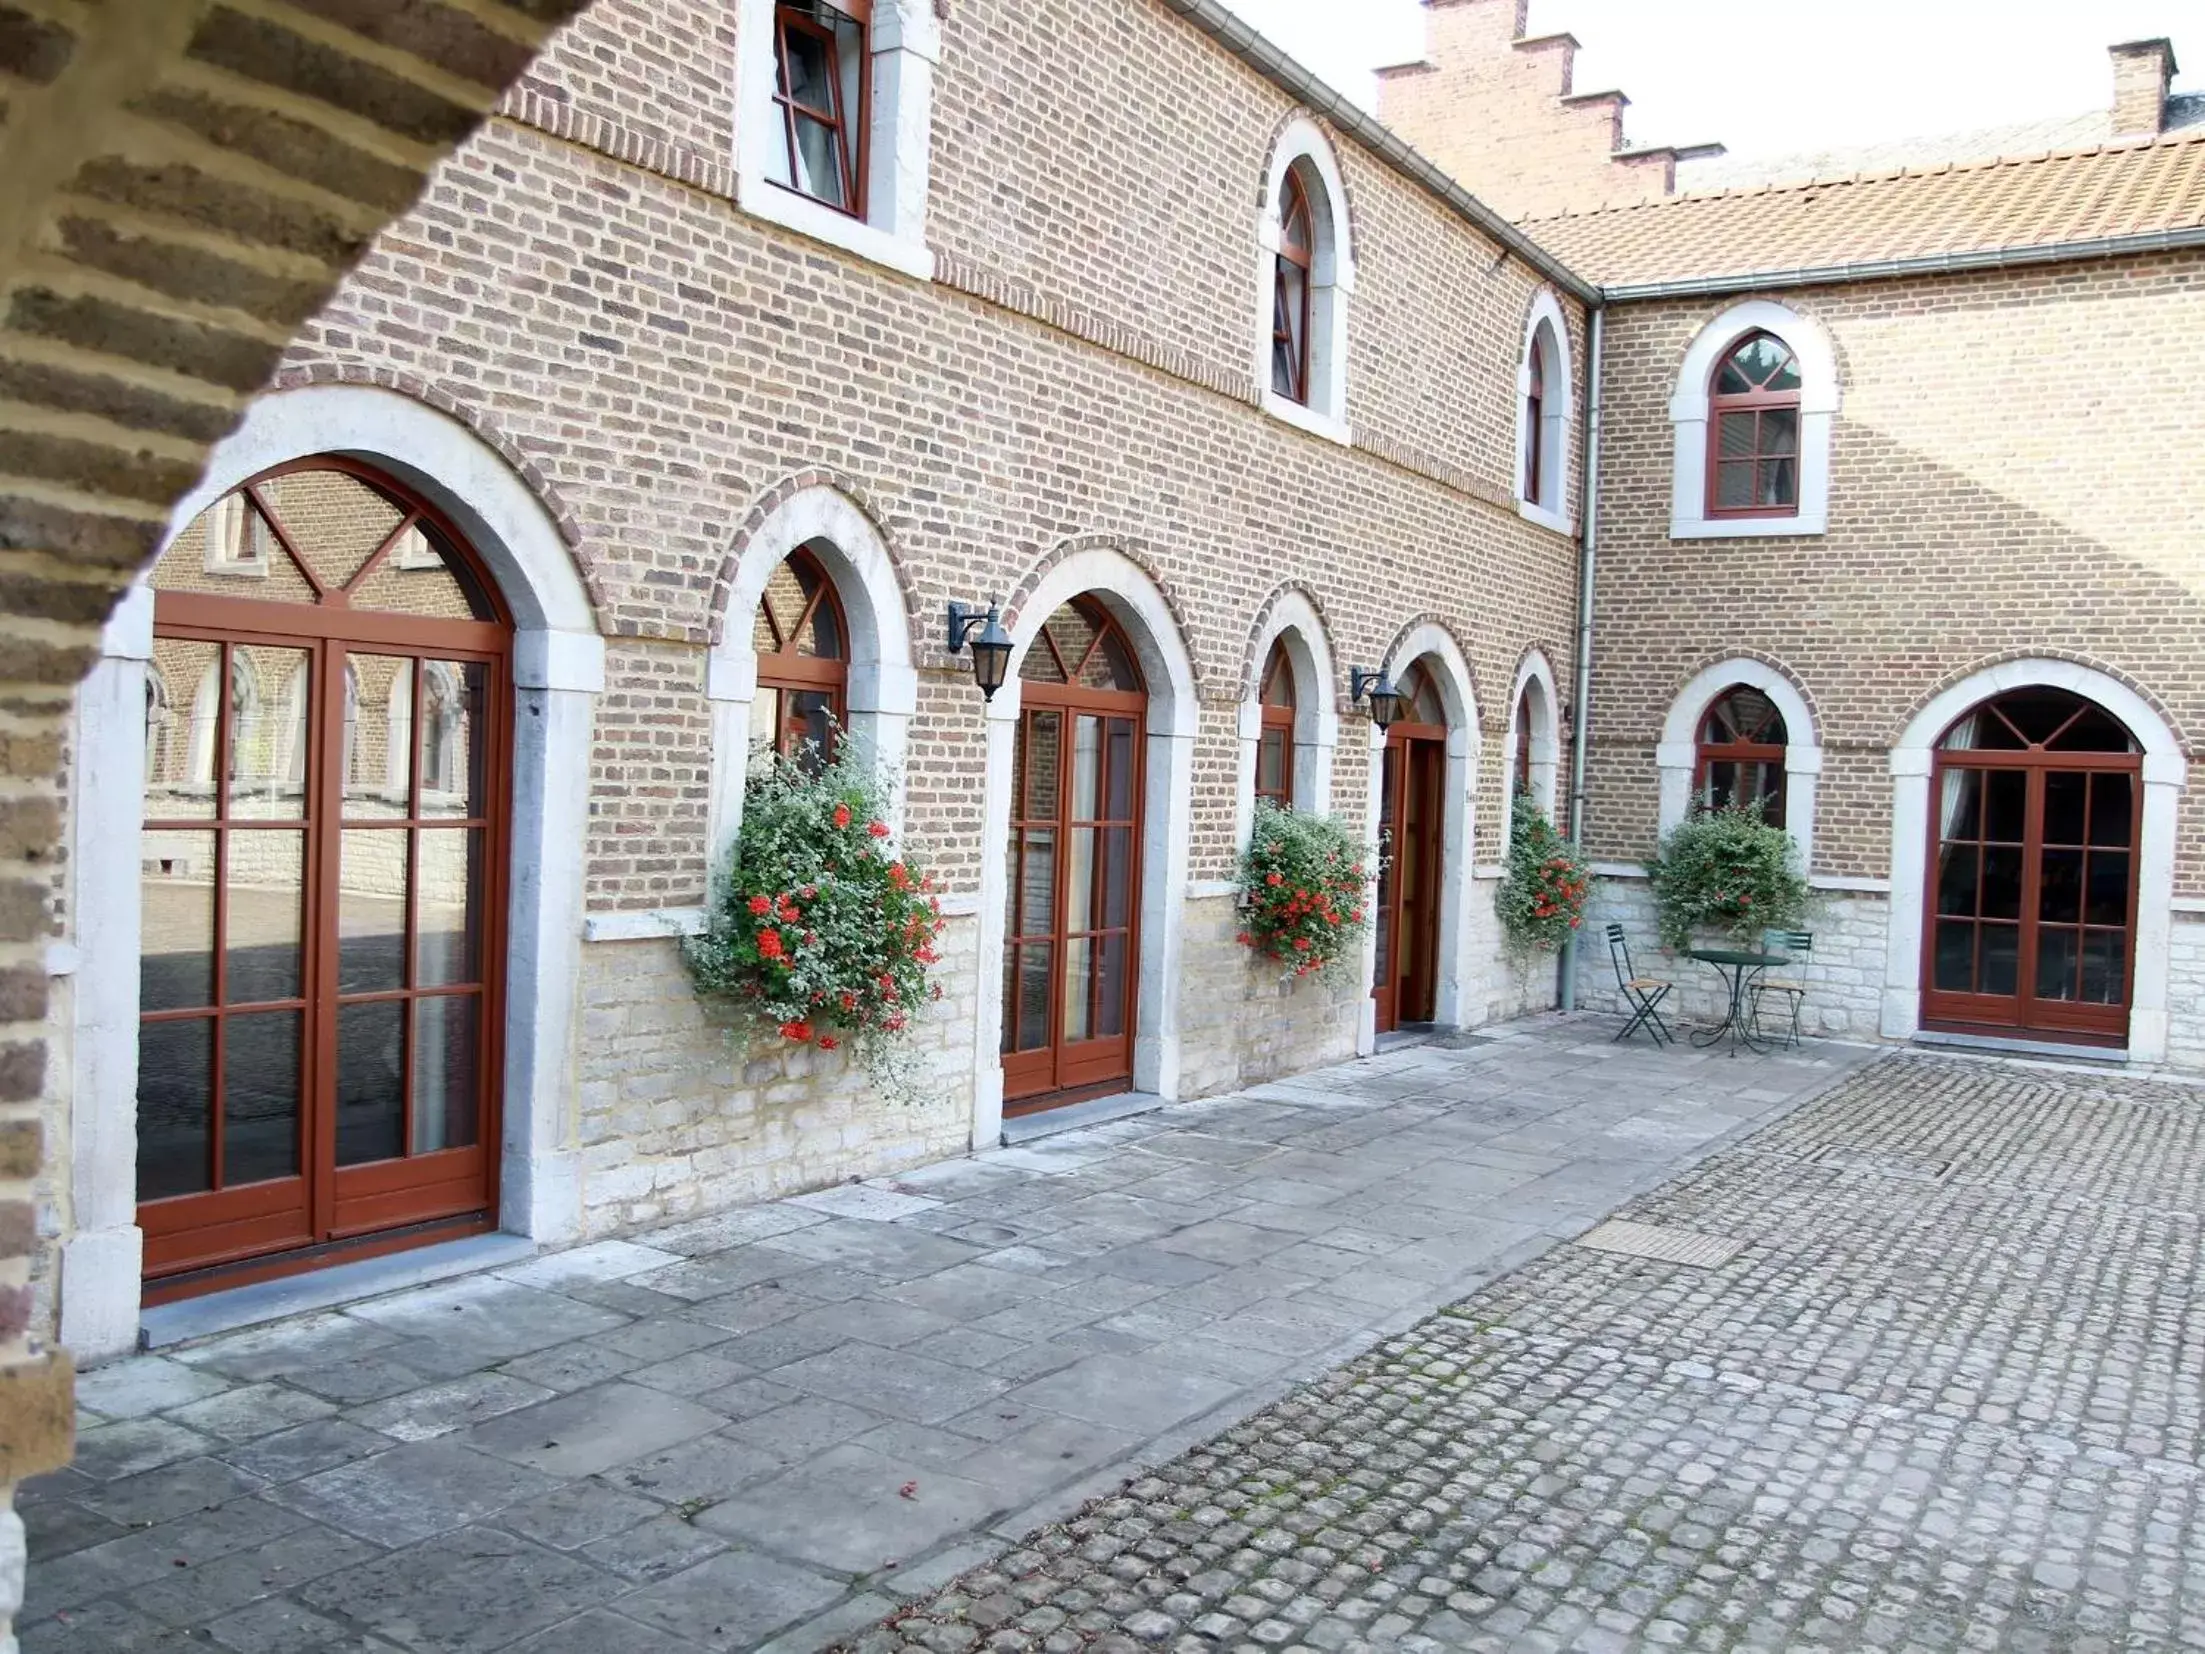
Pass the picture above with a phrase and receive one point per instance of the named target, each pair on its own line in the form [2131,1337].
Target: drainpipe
[1567,996]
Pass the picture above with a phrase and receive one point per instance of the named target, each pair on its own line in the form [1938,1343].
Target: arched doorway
[323,887]
[2036,812]
[1412,827]
[1073,893]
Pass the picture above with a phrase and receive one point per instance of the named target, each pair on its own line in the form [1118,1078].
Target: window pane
[2108,891]
[1779,482]
[1960,803]
[335,521]
[1780,431]
[371,1084]
[2002,882]
[1042,751]
[182,711]
[2064,796]
[2095,731]
[1117,846]
[1086,767]
[448,907]
[2112,809]
[175,1107]
[1111,667]
[1038,883]
[765,718]
[1737,432]
[270,707]
[230,551]
[2001,973]
[1033,996]
[819,161]
[1079,964]
[424,577]
[1955,960]
[1957,865]
[380,784]
[2008,798]
[1110,971]
[810,733]
[1080,912]
[2105,967]
[1271,763]
[1734,485]
[1278,678]
[448,728]
[176,946]
[265,890]
[2059,953]
[372,869]
[445,1092]
[2059,887]
[260,1098]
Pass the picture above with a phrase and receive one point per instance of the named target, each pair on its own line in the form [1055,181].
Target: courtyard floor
[1958,1393]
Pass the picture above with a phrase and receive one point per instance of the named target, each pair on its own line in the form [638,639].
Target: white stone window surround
[1688,419]
[1678,756]
[1913,763]
[1546,330]
[883,684]
[1123,587]
[1534,675]
[905,43]
[1443,658]
[1332,282]
[1293,620]
[558,670]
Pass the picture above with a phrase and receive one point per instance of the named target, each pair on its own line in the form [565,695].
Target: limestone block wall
[687,1107]
[2186,990]
[1240,1023]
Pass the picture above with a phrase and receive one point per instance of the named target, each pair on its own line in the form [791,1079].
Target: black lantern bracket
[1385,700]
[991,648]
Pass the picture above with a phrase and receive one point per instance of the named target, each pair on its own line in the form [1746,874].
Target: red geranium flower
[842,815]
[769,944]
[801,1032]
[1274,879]
[879,829]
[826,1042]
[761,906]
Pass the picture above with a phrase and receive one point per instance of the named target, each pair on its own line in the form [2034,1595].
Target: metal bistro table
[1732,965]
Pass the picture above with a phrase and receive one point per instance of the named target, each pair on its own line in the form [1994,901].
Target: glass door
[1412,832]
[1073,865]
[2036,809]
[319,987]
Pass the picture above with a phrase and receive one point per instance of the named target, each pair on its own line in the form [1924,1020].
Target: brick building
[743,340]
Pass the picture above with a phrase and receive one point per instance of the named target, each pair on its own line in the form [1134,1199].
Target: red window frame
[851,147]
[1297,251]
[1757,404]
[785,673]
[1523,742]
[1748,748]
[1535,425]
[1278,725]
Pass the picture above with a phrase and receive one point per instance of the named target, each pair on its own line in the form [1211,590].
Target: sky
[1814,76]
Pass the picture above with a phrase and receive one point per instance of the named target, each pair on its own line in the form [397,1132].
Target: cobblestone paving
[768,1426]
[1948,1396]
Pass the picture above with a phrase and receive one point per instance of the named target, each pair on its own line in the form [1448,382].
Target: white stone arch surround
[1534,674]
[1688,418]
[558,670]
[1432,643]
[1913,761]
[1678,756]
[1332,280]
[1558,418]
[1124,588]
[1293,619]
[884,687]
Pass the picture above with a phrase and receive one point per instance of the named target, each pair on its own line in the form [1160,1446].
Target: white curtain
[1961,739]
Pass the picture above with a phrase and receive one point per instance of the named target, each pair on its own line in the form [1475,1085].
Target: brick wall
[1501,113]
[2003,482]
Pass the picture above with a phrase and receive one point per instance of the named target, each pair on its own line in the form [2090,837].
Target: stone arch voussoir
[1135,553]
[763,510]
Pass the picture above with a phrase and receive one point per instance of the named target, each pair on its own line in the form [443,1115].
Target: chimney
[2142,70]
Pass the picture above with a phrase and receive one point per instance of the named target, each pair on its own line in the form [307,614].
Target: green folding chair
[1643,994]
[1791,986]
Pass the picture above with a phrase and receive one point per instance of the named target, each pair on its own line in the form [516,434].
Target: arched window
[1293,288]
[1522,782]
[1275,747]
[1741,758]
[803,661]
[1535,419]
[1753,463]
[443,719]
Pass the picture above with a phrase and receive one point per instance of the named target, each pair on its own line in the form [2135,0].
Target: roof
[2135,188]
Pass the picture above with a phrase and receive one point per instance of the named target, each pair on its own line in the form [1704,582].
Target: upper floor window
[1535,416]
[1753,463]
[836,101]
[1275,746]
[1291,293]
[819,60]
[803,661]
[1523,742]
[1543,385]
[1307,274]
[1741,758]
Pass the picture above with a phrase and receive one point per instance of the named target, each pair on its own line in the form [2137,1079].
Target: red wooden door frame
[1407,981]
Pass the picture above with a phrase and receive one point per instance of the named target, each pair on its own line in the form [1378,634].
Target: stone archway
[185,186]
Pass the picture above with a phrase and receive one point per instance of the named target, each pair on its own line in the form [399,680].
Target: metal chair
[1800,946]
[1643,994]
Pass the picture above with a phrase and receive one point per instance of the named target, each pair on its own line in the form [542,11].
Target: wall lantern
[991,650]
[1385,700]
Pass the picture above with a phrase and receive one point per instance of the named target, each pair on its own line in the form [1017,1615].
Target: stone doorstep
[349,1283]
[1124,1105]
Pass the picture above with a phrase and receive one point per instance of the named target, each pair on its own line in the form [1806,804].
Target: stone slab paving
[1949,1394]
[771,1427]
